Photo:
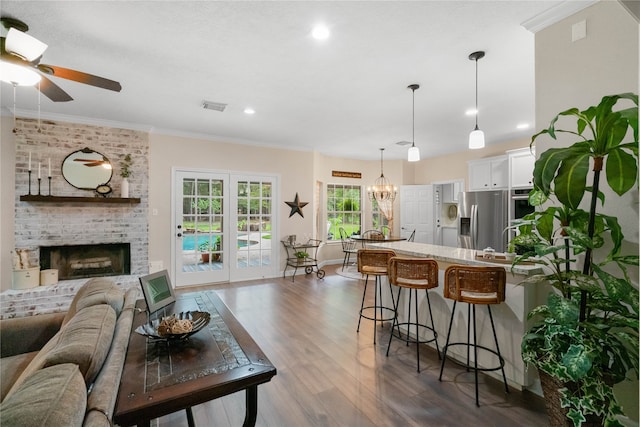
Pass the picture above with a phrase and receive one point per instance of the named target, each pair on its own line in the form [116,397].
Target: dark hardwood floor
[329,375]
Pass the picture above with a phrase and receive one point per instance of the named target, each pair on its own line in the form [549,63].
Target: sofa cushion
[96,291]
[54,396]
[10,369]
[85,341]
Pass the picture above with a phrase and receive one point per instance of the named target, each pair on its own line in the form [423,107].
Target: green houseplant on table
[301,256]
[585,338]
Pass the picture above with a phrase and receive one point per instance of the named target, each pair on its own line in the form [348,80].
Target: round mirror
[86,169]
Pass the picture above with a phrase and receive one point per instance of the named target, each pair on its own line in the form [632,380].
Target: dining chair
[412,236]
[348,247]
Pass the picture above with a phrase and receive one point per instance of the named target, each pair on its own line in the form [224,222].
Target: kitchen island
[510,317]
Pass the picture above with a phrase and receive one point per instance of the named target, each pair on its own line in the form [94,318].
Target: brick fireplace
[83,261]
[61,224]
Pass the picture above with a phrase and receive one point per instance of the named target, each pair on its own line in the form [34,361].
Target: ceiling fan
[20,56]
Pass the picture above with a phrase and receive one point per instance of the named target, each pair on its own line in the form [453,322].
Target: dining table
[376,239]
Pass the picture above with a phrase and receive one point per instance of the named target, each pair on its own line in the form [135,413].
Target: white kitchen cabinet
[450,191]
[489,174]
[450,237]
[521,163]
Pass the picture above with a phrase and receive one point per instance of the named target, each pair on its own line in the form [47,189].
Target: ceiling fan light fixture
[24,45]
[17,75]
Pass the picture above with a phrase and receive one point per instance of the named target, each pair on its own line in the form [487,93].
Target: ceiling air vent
[209,105]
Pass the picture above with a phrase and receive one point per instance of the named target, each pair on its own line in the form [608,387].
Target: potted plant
[125,173]
[210,250]
[302,256]
[584,340]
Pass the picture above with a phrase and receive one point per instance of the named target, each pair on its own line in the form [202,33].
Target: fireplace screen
[80,261]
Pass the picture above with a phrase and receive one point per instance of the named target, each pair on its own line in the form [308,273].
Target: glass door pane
[201,230]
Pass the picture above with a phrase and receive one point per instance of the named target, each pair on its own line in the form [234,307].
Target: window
[343,209]
[377,219]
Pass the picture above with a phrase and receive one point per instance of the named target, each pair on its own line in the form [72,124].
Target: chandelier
[382,190]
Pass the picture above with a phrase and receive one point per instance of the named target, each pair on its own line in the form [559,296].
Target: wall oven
[520,203]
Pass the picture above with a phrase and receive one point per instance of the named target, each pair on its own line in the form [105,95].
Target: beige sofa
[64,369]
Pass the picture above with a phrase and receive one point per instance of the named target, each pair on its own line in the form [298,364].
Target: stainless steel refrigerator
[482,218]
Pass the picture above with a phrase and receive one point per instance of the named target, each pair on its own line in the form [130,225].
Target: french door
[223,224]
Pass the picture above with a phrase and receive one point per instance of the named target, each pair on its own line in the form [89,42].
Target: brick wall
[45,224]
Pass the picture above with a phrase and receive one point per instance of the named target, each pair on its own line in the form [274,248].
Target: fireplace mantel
[71,199]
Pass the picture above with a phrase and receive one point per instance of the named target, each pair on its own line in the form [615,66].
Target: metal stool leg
[364,294]
[495,337]
[446,345]
[433,325]
[475,353]
[415,292]
[395,321]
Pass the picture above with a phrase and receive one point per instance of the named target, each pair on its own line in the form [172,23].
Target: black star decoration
[296,206]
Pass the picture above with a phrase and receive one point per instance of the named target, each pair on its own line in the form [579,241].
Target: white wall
[578,74]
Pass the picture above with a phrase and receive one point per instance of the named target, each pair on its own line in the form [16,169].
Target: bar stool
[413,274]
[475,285]
[375,262]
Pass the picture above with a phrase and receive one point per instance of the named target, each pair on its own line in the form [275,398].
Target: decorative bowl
[200,319]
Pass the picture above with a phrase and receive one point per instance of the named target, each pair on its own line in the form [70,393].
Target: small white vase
[124,188]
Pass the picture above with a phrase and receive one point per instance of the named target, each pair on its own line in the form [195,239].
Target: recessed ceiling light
[320,32]
[523,126]
[471,112]
[249,111]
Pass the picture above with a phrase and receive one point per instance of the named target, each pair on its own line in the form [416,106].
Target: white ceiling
[346,96]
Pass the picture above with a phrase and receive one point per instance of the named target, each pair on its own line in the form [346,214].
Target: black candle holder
[29,181]
[49,185]
[39,181]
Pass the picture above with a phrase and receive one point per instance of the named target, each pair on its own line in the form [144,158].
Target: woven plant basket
[558,414]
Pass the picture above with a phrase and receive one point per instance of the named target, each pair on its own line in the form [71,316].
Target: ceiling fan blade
[80,77]
[53,91]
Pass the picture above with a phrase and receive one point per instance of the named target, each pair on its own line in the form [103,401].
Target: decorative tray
[199,319]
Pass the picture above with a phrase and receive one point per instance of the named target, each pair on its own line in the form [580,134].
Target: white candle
[38,170]
[49,166]
[29,160]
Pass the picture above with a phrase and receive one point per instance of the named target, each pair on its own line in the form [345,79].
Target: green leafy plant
[210,245]
[125,166]
[586,335]
[301,255]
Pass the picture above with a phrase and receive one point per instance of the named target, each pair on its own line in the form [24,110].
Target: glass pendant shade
[414,154]
[476,139]
[18,75]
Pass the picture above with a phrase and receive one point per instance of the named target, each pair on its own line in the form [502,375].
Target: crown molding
[556,14]
[30,114]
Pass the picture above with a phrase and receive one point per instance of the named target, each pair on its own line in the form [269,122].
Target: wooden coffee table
[162,377]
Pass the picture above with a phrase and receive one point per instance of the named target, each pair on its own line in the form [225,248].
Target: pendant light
[476,137]
[414,152]
[382,191]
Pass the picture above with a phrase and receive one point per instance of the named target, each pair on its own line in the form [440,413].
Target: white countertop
[453,255]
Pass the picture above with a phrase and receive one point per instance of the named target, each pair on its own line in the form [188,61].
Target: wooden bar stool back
[413,274]
[475,285]
[375,262]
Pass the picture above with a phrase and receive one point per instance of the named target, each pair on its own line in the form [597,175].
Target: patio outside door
[223,227]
